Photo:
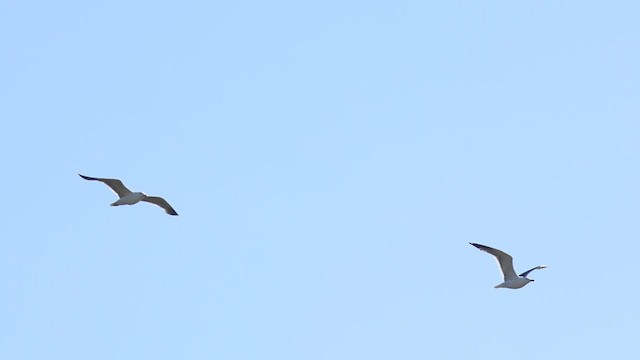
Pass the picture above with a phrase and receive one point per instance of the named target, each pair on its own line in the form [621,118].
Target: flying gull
[511,280]
[127,197]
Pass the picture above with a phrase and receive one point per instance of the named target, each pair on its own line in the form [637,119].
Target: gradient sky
[330,162]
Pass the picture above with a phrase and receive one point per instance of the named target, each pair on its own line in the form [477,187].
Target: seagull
[511,280]
[127,197]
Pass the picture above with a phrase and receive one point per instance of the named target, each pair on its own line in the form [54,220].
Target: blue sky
[330,162]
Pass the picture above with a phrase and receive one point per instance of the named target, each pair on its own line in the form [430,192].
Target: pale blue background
[330,162]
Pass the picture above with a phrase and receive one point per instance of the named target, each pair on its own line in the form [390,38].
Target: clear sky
[330,162]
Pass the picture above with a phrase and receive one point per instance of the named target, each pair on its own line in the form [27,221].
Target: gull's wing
[162,203]
[504,260]
[524,274]
[116,185]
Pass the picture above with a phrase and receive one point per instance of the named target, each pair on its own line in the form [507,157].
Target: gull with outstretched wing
[505,261]
[127,197]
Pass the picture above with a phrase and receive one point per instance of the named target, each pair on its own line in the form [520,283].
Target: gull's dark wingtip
[481,247]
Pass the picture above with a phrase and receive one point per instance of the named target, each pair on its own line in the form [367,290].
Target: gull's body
[128,197]
[505,261]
